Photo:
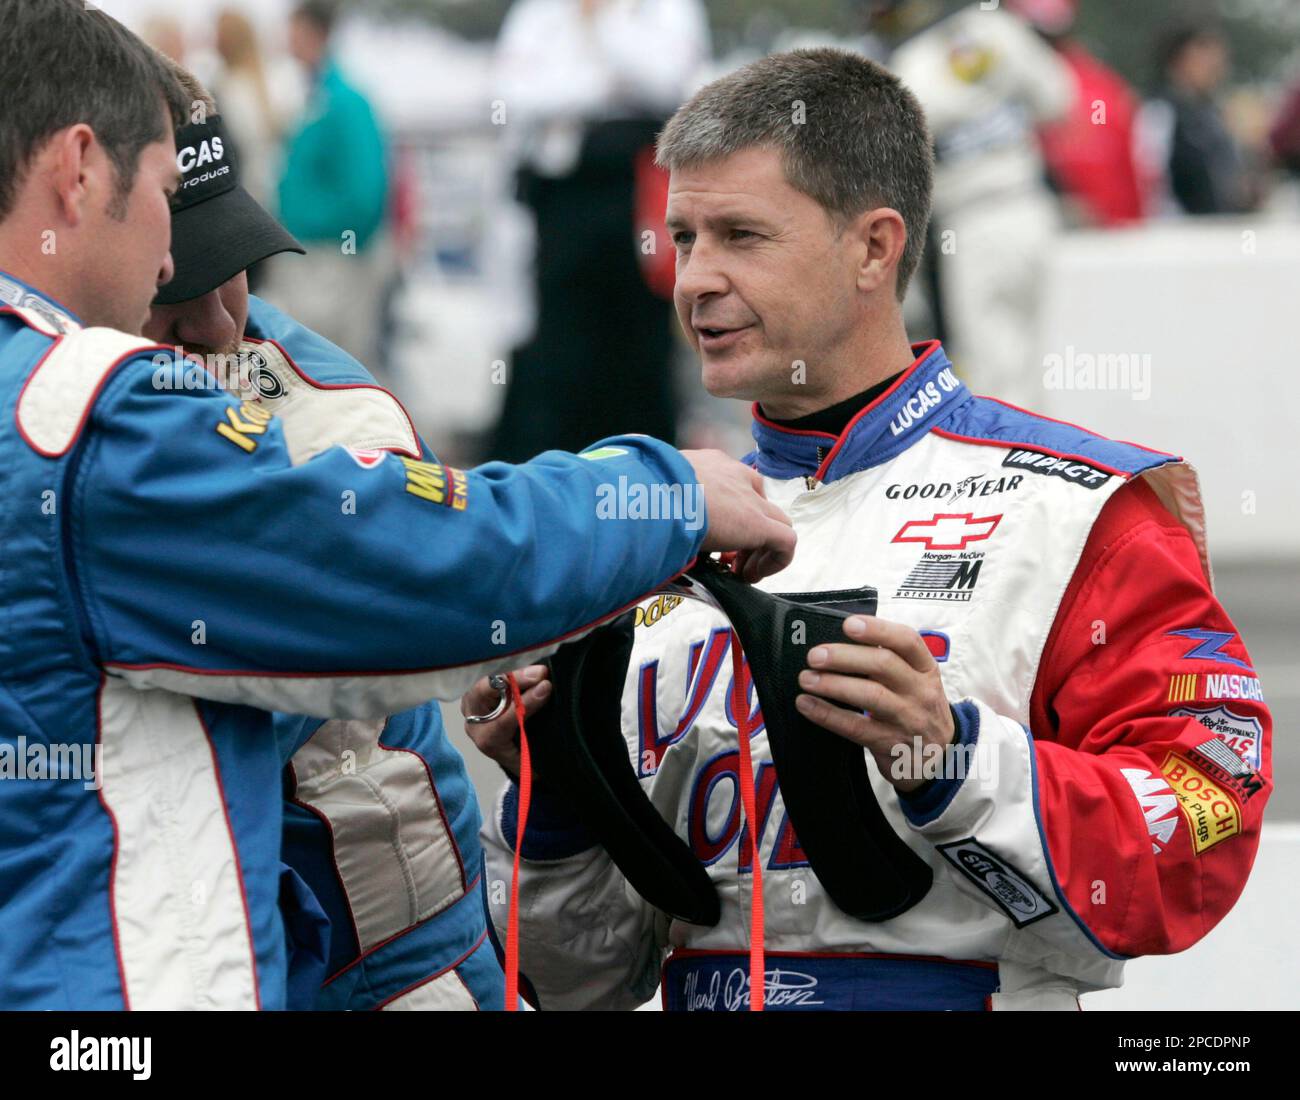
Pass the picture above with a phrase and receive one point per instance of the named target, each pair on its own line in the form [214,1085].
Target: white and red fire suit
[1117,738]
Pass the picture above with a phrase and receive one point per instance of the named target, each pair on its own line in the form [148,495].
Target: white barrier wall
[1249,961]
[1199,323]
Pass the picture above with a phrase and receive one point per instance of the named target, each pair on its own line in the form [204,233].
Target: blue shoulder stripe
[987,420]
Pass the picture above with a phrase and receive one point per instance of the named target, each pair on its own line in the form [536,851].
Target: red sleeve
[1151,737]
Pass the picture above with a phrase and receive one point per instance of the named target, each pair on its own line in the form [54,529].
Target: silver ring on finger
[503,701]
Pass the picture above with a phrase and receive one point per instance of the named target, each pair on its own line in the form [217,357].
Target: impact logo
[14,295]
[1068,469]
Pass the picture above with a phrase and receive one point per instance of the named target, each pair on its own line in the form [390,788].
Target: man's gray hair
[849,133]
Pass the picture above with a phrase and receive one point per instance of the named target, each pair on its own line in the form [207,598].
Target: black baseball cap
[218,228]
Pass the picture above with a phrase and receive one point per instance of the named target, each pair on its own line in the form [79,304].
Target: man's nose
[207,323]
[700,274]
[167,272]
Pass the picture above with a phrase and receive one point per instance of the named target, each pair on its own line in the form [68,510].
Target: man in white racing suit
[1058,716]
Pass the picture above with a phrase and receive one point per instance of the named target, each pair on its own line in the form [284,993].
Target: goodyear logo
[243,425]
[437,483]
[1182,687]
[656,609]
[1212,813]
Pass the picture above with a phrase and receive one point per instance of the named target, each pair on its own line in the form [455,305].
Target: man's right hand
[741,518]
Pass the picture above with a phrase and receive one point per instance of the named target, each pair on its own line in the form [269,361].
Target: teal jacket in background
[335,172]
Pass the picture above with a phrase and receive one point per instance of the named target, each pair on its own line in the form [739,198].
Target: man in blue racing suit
[181,562]
[387,845]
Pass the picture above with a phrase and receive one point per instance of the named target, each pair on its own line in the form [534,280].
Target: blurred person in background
[1198,165]
[1089,152]
[251,111]
[586,85]
[165,35]
[333,196]
[248,105]
[986,81]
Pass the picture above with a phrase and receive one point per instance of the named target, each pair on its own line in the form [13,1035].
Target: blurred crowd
[1034,136]
[309,147]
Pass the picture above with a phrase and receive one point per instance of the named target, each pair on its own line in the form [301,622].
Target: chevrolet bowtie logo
[948,531]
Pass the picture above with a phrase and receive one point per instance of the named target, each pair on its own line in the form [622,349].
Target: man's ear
[883,236]
[74,157]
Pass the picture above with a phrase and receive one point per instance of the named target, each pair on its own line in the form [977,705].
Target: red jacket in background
[1090,152]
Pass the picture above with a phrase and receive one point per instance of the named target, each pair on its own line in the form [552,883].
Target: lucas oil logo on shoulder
[926,398]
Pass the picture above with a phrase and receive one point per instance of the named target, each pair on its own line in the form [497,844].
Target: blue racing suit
[180,563]
[387,839]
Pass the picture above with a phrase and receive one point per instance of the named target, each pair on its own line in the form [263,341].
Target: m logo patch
[948,577]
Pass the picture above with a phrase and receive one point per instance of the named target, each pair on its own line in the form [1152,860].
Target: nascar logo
[1183,687]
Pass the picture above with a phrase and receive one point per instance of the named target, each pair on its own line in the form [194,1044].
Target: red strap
[740,707]
[525,796]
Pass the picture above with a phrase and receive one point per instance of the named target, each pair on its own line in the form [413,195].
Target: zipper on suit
[810,480]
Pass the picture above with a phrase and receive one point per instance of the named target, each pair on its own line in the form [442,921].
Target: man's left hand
[887,671]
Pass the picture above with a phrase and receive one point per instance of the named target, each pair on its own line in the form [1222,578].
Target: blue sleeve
[198,546]
[320,359]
